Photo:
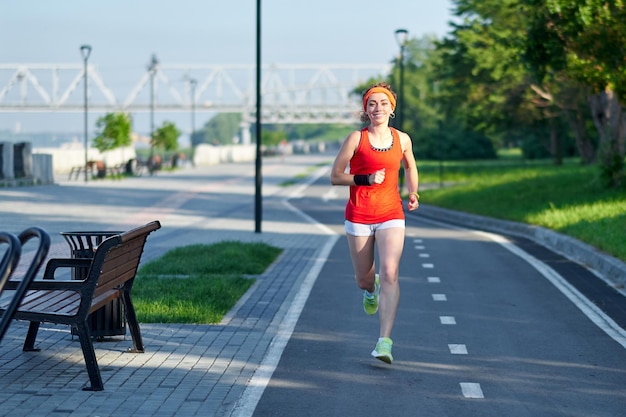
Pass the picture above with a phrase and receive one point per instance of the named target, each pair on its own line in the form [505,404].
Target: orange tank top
[376,203]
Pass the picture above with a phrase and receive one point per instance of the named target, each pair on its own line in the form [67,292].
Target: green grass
[198,283]
[569,199]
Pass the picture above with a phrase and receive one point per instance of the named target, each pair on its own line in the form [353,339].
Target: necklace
[385,149]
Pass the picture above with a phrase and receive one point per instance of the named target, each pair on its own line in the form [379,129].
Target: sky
[124,34]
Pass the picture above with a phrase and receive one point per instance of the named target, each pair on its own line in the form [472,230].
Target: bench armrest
[58,284]
[56,263]
[51,267]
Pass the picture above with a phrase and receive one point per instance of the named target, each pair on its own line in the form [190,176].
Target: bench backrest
[116,262]
[35,264]
[11,256]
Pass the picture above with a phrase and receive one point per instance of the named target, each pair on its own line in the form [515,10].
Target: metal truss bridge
[313,93]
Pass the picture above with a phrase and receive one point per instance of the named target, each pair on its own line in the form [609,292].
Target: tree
[481,85]
[166,137]
[321,131]
[488,85]
[273,138]
[114,131]
[567,99]
[221,129]
[584,40]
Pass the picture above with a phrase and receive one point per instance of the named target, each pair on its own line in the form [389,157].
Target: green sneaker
[383,350]
[370,301]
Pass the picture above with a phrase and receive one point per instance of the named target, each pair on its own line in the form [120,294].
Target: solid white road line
[256,386]
[589,309]
[593,312]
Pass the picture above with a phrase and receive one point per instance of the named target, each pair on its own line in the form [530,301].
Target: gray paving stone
[186,369]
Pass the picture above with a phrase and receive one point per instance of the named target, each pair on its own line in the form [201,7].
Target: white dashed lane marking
[471,390]
[468,389]
[457,349]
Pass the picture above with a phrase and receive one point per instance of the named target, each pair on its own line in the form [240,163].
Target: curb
[606,266]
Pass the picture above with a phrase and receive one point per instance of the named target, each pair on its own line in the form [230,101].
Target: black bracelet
[362,179]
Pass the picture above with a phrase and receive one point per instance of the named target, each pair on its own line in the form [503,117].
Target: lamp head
[85,51]
[401,36]
[153,63]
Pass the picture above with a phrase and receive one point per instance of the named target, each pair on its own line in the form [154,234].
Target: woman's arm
[338,175]
[410,170]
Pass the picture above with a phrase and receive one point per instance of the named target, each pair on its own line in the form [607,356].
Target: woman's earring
[392,115]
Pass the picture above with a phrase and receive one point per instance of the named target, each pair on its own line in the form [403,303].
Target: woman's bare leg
[362,254]
[390,243]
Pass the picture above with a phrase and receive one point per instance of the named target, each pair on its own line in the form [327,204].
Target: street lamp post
[258,195]
[85,51]
[401,38]
[441,149]
[152,68]
[192,85]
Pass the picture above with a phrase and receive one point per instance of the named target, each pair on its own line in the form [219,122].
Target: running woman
[369,163]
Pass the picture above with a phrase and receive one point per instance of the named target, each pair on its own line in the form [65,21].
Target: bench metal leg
[90,358]
[31,336]
[133,325]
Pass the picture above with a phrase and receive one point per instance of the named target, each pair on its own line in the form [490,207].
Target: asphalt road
[485,326]
[483,329]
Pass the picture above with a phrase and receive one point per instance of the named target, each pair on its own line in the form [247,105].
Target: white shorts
[360,229]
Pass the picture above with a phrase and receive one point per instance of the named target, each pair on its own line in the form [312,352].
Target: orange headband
[373,90]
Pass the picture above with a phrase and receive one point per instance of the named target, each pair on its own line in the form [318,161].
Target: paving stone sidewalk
[187,370]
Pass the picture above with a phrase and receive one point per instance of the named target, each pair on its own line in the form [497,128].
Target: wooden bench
[111,274]
[76,172]
[96,168]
